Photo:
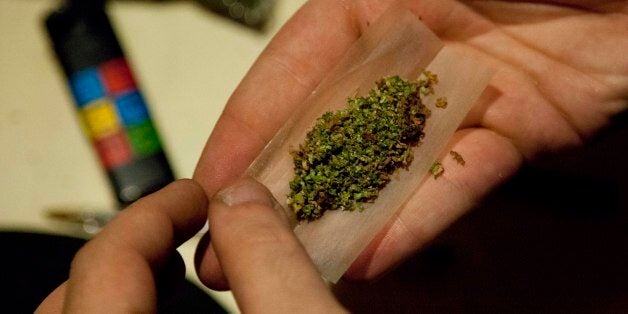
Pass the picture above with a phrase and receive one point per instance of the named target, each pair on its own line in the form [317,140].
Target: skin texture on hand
[561,75]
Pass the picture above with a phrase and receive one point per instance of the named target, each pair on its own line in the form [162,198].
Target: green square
[144,139]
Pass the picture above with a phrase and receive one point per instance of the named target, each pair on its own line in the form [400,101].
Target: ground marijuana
[457,157]
[437,170]
[350,155]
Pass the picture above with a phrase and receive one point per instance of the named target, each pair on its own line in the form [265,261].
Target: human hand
[132,262]
[561,75]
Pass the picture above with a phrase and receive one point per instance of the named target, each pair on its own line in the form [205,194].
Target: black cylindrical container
[109,103]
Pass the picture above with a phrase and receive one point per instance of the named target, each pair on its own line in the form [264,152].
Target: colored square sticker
[114,150]
[86,86]
[132,108]
[100,118]
[144,139]
[117,76]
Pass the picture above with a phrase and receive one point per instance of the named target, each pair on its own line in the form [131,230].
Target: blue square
[86,86]
[132,108]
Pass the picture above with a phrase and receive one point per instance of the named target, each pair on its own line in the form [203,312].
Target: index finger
[121,261]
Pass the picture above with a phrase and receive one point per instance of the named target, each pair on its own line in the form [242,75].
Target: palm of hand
[562,69]
[561,75]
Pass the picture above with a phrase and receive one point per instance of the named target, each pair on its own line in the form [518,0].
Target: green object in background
[144,139]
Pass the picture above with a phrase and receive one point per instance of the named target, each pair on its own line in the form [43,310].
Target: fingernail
[246,190]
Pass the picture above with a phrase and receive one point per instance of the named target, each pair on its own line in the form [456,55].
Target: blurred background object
[110,106]
[251,13]
[112,110]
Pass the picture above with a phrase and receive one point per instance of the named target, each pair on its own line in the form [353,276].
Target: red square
[117,76]
[114,150]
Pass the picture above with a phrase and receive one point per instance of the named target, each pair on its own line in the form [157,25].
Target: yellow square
[100,118]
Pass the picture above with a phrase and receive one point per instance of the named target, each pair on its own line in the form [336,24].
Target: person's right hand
[562,73]
[132,265]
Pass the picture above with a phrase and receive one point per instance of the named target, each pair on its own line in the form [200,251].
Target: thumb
[264,263]
[248,190]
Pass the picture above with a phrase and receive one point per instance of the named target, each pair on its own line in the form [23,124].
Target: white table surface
[187,62]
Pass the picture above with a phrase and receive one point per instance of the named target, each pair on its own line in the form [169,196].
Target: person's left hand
[561,76]
[132,264]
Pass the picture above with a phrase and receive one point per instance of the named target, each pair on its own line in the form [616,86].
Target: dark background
[32,265]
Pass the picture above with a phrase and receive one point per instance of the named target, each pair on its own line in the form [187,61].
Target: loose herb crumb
[457,157]
[437,170]
[350,155]
[427,82]
[441,102]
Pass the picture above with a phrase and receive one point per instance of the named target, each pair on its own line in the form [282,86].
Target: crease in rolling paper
[396,44]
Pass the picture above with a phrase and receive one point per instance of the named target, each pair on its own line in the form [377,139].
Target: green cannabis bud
[350,155]
[437,170]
